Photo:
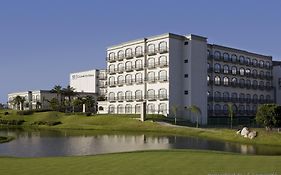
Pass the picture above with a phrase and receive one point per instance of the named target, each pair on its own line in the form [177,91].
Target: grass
[126,123]
[144,163]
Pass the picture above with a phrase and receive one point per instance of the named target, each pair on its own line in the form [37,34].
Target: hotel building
[174,71]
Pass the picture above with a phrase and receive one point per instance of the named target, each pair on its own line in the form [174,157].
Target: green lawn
[144,163]
[126,123]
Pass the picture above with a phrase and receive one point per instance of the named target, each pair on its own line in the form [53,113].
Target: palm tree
[18,101]
[175,111]
[89,101]
[58,90]
[76,103]
[38,105]
[69,92]
[196,110]
[230,113]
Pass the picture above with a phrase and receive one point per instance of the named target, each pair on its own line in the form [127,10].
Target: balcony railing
[130,98]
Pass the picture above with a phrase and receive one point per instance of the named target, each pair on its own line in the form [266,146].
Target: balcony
[163,64]
[102,77]
[112,84]
[151,66]
[163,79]
[151,97]
[129,69]
[120,57]
[120,70]
[139,54]
[129,56]
[120,99]
[111,59]
[139,67]
[111,99]
[163,97]
[151,52]
[111,71]
[163,50]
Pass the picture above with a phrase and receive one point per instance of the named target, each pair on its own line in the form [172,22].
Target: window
[217,68]
[255,83]
[185,92]
[120,109]
[234,58]
[128,95]
[111,109]
[128,79]
[241,96]
[225,96]
[120,96]
[120,54]
[138,95]
[151,77]
[267,64]
[255,62]
[217,94]
[111,56]
[138,78]
[217,108]
[185,75]
[163,75]
[225,109]
[128,109]
[248,72]
[111,68]
[248,83]
[242,82]
[248,97]
[262,74]
[247,61]
[255,97]
[128,66]
[268,98]
[138,108]
[241,59]
[186,43]
[234,81]
[217,55]
[163,47]
[226,81]
[128,53]
[120,67]
[120,79]
[261,98]
[186,61]
[138,64]
[217,80]
[151,108]
[234,70]
[151,49]
[261,63]
[162,93]
[208,79]
[151,63]
[234,96]
[163,108]
[241,109]
[111,96]
[242,71]
[255,73]
[111,81]
[255,107]
[138,51]
[225,69]
[151,94]
[163,61]
[225,57]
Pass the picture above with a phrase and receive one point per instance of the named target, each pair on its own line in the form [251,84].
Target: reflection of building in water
[247,149]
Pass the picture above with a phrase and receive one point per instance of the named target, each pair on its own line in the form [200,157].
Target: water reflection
[37,143]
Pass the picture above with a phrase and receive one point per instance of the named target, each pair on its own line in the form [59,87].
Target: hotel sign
[74,77]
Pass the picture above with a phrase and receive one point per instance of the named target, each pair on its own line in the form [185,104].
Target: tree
[58,90]
[54,104]
[175,111]
[69,92]
[38,105]
[267,115]
[19,102]
[195,110]
[77,103]
[230,113]
[89,102]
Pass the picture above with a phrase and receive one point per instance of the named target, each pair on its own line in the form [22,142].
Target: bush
[28,112]
[11,122]
[268,115]
[6,113]
[48,123]
[88,113]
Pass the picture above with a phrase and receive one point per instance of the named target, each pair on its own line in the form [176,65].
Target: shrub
[11,122]
[88,114]
[48,123]
[267,115]
[28,112]
[6,113]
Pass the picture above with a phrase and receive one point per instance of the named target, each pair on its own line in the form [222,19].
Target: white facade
[86,81]
[33,99]
[277,81]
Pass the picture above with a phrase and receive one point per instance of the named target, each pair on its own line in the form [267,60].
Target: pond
[44,143]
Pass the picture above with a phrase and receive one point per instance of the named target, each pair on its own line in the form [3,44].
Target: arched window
[234,96]
[255,107]
[138,78]
[137,108]
[120,54]
[234,58]
[151,94]
[242,97]
[111,68]
[151,108]
[262,74]
[248,83]
[225,96]
[111,109]
[120,96]
[242,71]
[138,51]
[267,64]
[217,68]
[208,79]
[255,97]
[138,95]
[234,81]
[111,81]
[217,108]
[128,109]
[267,74]
[217,55]
[248,108]
[255,73]
[111,56]
[128,79]
[128,53]
[268,98]
[242,82]
[120,80]
[163,93]
[163,75]
[128,66]
[120,109]
[261,63]
[248,96]
[217,80]
[254,62]
[128,95]
[234,70]
[151,63]
[241,109]
[225,57]
[225,69]
[163,61]
[120,67]
[248,72]
[217,94]
[261,98]
[163,47]
[151,49]
[247,61]
[268,84]
[151,76]
[226,81]
[163,108]
[255,83]
[138,64]
[111,96]
[241,59]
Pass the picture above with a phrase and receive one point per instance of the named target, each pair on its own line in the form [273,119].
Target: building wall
[277,82]
[85,81]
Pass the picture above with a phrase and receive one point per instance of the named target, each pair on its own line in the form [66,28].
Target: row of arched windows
[241,71]
[138,50]
[241,108]
[241,59]
[138,78]
[218,94]
[128,108]
[138,95]
[138,64]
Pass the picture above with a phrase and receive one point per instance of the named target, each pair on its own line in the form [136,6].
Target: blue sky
[42,41]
